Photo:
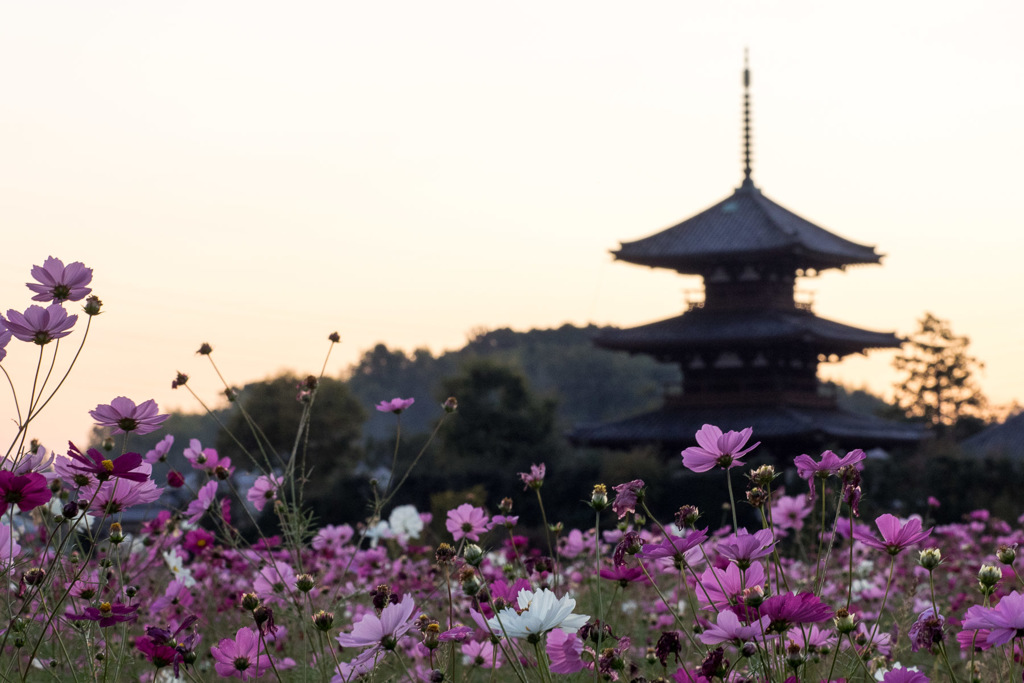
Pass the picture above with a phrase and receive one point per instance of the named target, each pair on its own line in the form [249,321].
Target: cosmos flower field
[812,592]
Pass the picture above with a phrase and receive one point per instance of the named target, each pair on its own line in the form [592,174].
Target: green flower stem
[732,498]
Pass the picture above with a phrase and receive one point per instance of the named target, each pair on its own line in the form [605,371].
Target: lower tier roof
[677,426]
[702,327]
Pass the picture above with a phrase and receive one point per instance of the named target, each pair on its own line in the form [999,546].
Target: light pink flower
[829,465]
[242,657]
[467,521]
[717,449]
[395,405]
[56,282]
[895,535]
[264,490]
[38,324]
[565,650]
[729,629]
[1004,621]
[124,416]
[533,479]
[626,497]
[198,507]
[384,632]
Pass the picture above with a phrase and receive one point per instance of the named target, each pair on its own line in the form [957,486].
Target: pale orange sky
[257,175]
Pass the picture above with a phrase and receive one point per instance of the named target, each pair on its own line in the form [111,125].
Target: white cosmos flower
[182,574]
[405,522]
[541,611]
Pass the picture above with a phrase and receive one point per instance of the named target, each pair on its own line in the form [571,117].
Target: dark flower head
[124,416]
[94,463]
[56,282]
[927,631]
[27,491]
[38,324]
[334,337]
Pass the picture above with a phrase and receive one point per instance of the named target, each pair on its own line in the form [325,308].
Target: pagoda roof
[1001,440]
[676,426]
[721,329]
[743,228]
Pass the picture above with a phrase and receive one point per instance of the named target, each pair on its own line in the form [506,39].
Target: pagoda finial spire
[747,181]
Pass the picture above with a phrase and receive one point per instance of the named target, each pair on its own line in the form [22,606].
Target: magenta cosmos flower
[467,521]
[381,632]
[902,675]
[103,468]
[56,282]
[242,657]
[895,535]
[124,416]
[395,405]
[717,449]
[27,491]
[106,614]
[791,609]
[1004,622]
[40,325]
[627,496]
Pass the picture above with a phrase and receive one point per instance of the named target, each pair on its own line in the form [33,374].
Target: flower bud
[687,516]
[763,476]
[1006,553]
[757,496]
[505,506]
[180,380]
[250,601]
[221,472]
[450,405]
[444,553]
[304,582]
[92,305]
[989,575]
[70,510]
[116,535]
[844,621]
[473,554]
[753,596]
[107,444]
[204,349]
[930,558]
[599,498]
[131,591]
[794,656]
[471,583]
[175,479]
[323,621]
[436,676]
[334,337]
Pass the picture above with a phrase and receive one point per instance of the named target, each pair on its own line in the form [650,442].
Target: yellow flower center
[108,465]
[105,607]
[201,543]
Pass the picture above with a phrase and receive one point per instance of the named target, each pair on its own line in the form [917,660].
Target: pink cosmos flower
[626,497]
[160,451]
[729,629]
[795,608]
[198,507]
[829,465]
[895,535]
[675,547]
[789,512]
[242,657]
[264,490]
[723,588]
[484,654]
[9,548]
[117,495]
[395,405]
[27,491]
[56,282]
[717,449]
[1004,621]
[384,632]
[204,459]
[565,650]
[124,416]
[533,479]
[744,547]
[176,594]
[332,537]
[467,521]
[5,338]
[902,675]
[38,324]
[198,541]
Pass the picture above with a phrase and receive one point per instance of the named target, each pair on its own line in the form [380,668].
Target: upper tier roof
[729,329]
[744,228]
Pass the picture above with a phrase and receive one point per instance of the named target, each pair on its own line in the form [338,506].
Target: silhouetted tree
[939,386]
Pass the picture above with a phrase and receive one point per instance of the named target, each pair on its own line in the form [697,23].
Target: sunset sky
[257,175]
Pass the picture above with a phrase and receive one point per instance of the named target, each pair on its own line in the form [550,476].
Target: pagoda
[748,349]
